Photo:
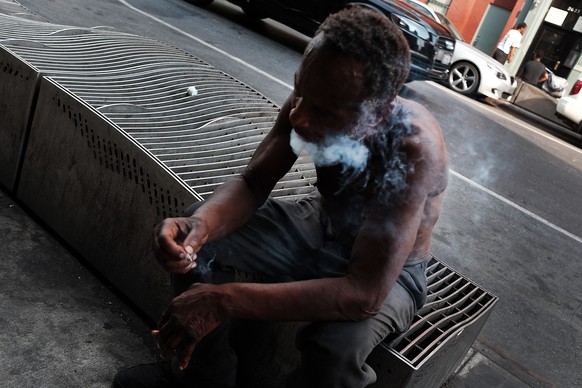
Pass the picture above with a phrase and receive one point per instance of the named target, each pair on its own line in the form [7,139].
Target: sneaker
[158,375]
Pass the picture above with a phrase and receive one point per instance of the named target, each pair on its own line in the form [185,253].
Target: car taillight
[576,88]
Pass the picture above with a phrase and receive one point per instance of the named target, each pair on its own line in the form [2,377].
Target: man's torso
[532,71]
[511,39]
[346,203]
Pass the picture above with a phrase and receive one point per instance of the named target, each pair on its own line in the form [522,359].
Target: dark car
[431,44]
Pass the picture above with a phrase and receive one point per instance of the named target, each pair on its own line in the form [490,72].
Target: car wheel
[200,3]
[464,78]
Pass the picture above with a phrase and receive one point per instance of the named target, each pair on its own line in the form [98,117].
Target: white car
[569,108]
[472,71]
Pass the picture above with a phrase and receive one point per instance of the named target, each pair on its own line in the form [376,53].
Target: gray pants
[294,241]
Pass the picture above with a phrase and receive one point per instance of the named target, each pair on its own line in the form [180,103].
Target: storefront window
[559,37]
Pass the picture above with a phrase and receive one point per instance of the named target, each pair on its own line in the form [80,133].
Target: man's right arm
[233,203]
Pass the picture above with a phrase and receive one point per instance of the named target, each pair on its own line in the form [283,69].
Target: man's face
[328,96]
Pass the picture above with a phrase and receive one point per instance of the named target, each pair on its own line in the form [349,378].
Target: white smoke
[332,151]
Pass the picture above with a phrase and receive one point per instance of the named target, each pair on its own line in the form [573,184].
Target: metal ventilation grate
[205,137]
[452,303]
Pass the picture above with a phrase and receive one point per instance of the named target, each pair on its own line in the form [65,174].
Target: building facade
[557,30]
[554,26]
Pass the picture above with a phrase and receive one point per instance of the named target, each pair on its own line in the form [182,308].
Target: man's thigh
[282,239]
[335,353]
[395,316]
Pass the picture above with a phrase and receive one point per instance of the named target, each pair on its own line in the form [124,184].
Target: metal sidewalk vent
[145,88]
[452,303]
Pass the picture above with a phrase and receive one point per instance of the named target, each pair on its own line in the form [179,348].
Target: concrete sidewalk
[64,327]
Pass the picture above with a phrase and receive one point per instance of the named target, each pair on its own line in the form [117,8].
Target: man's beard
[334,150]
[376,164]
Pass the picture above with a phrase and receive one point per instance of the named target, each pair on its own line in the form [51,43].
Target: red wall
[466,15]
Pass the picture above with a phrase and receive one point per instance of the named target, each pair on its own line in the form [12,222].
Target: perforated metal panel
[122,86]
[18,81]
[101,192]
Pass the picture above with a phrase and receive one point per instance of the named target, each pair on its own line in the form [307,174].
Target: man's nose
[299,116]
[301,119]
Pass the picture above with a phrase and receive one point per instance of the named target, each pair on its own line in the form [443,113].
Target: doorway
[561,48]
[490,29]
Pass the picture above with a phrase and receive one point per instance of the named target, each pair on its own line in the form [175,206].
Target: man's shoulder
[516,36]
[411,108]
[534,66]
[425,137]
[417,116]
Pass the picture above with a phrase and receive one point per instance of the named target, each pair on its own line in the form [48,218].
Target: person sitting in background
[534,71]
[354,252]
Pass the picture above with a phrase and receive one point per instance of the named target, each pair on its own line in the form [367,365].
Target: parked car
[472,71]
[569,108]
[430,43]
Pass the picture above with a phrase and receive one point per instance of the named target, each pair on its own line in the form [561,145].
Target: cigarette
[155,332]
[189,252]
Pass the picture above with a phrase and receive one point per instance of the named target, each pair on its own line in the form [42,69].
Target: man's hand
[176,241]
[189,318]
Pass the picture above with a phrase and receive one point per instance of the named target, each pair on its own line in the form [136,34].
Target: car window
[423,8]
[411,26]
[451,27]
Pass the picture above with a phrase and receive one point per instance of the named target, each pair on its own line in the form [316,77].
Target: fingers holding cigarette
[183,348]
[182,261]
[190,255]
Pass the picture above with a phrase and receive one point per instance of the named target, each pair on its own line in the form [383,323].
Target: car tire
[200,3]
[464,78]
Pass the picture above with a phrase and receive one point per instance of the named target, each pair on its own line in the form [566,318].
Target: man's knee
[333,356]
[337,342]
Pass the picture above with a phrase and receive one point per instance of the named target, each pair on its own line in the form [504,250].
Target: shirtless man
[355,251]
